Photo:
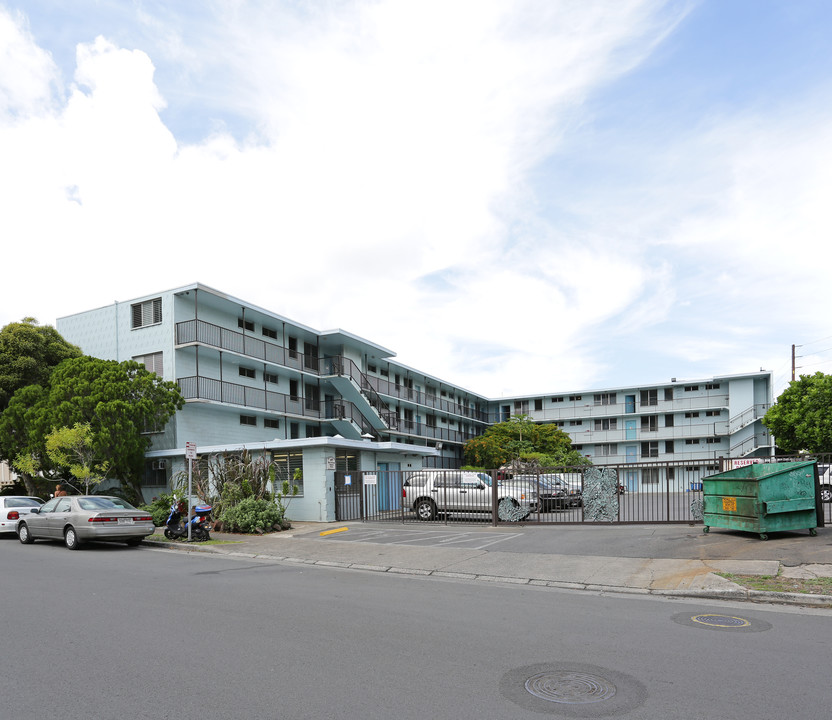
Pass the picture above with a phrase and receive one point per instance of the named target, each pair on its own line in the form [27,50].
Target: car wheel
[24,535]
[426,509]
[826,493]
[71,538]
[134,542]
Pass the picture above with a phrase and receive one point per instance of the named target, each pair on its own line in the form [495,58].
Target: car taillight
[102,519]
[142,518]
[13,515]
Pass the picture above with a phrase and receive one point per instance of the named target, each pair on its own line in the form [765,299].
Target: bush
[159,509]
[252,515]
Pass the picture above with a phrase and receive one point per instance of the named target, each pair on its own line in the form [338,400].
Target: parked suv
[429,492]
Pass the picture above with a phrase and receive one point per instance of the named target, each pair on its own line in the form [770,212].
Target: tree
[801,418]
[121,403]
[521,437]
[28,354]
[73,448]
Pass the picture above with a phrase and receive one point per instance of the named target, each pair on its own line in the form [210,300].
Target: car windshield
[22,502]
[104,503]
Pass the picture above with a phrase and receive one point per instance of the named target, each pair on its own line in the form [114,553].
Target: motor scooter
[200,528]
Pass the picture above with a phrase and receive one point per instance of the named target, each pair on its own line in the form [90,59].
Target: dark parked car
[78,518]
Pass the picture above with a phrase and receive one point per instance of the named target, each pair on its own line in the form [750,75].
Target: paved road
[111,632]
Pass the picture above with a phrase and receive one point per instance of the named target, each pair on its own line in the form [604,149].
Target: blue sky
[516,196]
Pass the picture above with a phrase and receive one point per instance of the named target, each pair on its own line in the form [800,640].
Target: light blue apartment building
[329,403]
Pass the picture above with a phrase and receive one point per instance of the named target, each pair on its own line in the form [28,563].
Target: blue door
[630,431]
[389,490]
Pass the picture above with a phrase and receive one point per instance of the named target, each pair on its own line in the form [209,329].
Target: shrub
[159,509]
[251,515]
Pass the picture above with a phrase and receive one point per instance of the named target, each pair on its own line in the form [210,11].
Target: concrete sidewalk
[527,557]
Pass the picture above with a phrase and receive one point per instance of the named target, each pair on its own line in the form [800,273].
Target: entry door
[389,486]
[629,429]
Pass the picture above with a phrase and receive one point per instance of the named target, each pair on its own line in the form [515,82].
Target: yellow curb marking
[329,532]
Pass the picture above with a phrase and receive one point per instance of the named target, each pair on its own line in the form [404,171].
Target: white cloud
[391,186]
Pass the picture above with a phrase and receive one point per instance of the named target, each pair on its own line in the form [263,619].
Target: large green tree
[520,437]
[28,354]
[121,403]
[801,418]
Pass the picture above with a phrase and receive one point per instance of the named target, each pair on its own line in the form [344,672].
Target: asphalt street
[114,632]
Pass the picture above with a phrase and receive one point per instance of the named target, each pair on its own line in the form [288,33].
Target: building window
[247,372]
[371,368]
[294,430]
[430,420]
[155,473]
[147,313]
[668,420]
[649,397]
[271,423]
[606,424]
[557,399]
[691,388]
[575,423]
[521,407]
[269,332]
[713,440]
[650,449]
[691,414]
[538,404]
[288,469]
[650,423]
[692,441]
[575,398]
[668,394]
[271,378]
[604,399]
[245,324]
[713,413]
[248,420]
[650,476]
[668,447]
[606,449]
[293,347]
[152,363]
[712,386]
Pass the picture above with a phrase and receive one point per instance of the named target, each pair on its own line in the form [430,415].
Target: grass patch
[778,583]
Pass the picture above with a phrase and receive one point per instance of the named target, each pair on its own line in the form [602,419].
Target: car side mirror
[35,510]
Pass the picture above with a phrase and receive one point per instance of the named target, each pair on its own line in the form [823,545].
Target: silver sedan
[78,518]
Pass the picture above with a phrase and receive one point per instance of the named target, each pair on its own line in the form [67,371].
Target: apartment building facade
[330,403]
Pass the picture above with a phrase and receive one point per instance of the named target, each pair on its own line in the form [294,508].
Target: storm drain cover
[725,621]
[570,687]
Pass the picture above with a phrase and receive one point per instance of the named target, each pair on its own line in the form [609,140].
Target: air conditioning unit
[159,464]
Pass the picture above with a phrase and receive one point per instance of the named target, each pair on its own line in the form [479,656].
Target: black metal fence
[631,493]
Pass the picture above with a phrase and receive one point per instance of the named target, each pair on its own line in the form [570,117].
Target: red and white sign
[190,450]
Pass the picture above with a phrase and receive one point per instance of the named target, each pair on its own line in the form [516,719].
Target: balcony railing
[221,391]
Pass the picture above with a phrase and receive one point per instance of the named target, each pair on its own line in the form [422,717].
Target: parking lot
[471,540]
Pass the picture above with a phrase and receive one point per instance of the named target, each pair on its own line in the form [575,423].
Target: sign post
[190,453]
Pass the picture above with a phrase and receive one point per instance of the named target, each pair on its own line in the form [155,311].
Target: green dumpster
[764,498]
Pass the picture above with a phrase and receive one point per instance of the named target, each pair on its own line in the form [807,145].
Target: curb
[736,593]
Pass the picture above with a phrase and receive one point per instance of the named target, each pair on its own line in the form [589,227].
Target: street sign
[190,450]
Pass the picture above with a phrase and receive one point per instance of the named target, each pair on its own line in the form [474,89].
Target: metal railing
[646,493]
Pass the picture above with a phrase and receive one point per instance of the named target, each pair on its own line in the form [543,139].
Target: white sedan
[12,507]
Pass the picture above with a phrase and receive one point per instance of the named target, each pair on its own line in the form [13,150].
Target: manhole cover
[573,690]
[570,687]
[726,621]
[721,623]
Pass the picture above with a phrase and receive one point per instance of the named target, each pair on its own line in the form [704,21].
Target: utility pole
[793,358]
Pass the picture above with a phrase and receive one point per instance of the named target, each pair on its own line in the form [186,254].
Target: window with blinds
[152,362]
[147,313]
[285,465]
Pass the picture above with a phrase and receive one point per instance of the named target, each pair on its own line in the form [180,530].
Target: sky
[518,197]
